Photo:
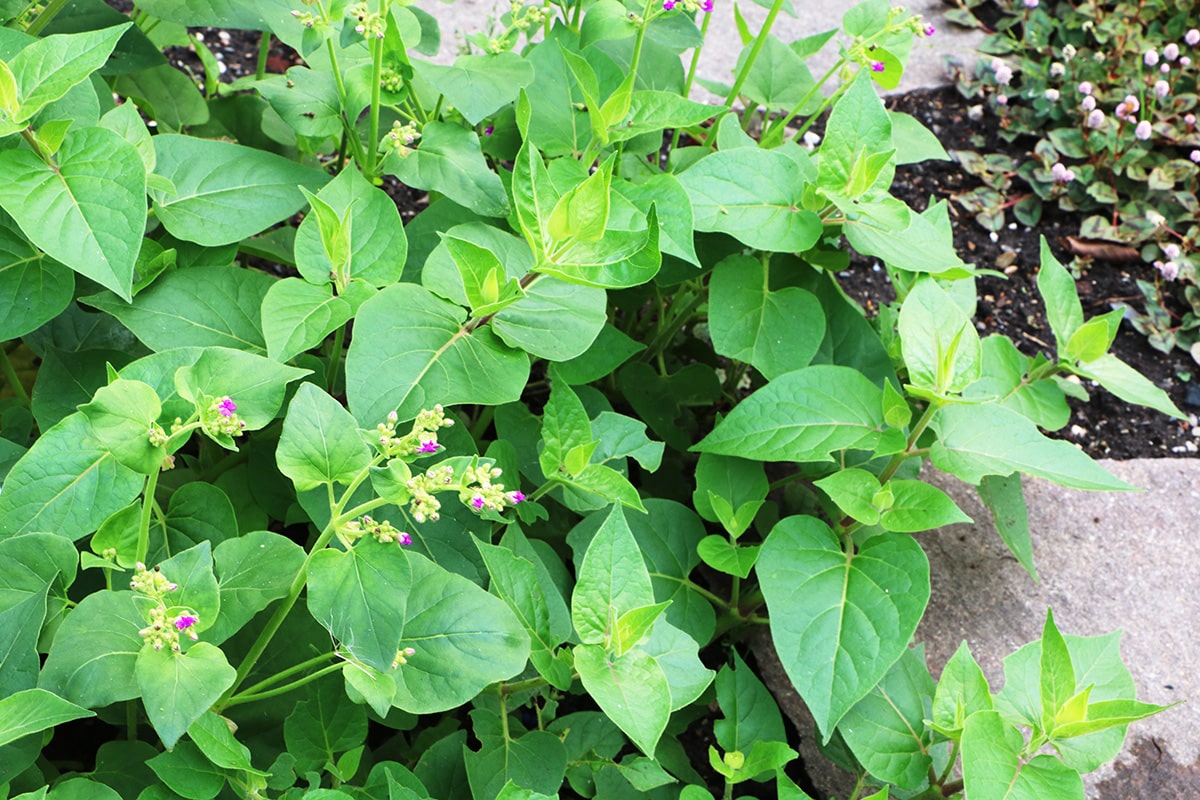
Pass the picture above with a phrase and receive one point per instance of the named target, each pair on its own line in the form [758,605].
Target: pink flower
[668,5]
[489,130]
[930,30]
[707,6]
[1061,174]
[1150,58]
[1031,3]
[404,539]
[1192,37]
[1171,52]
[1095,119]
[1169,269]
[1184,61]
[1172,251]
[1165,69]
[185,621]
[1085,87]
[1143,130]
[515,497]
[1195,156]
[1002,99]
[1161,88]
[427,447]
[226,407]
[1002,72]
[1087,103]
[477,502]
[877,66]
[1189,119]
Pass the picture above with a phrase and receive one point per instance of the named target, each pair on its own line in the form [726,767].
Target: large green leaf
[994,770]
[324,726]
[306,99]
[359,596]
[1127,383]
[196,586]
[856,153]
[297,316]
[197,307]
[259,15]
[753,195]
[256,383]
[974,441]
[119,416]
[839,621]
[630,689]
[779,79]
[962,690]
[252,571]
[20,626]
[479,85]
[92,660]
[556,320]
[536,761]
[320,442]
[449,160]
[938,339]
[751,714]
[178,688]
[33,288]
[411,350]
[34,710]
[87,209]
[612,581]
[378,246]
[223,192]
[803,415]
[67,482]
[49,67]
[886,729]
[1057,288]
[464,638]
[776,331]
[165,94]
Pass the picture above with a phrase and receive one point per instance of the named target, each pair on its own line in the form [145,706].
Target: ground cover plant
[1108,93]
[484,506]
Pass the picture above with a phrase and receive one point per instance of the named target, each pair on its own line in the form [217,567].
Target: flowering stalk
[376,44]
[760,41]
[691,75]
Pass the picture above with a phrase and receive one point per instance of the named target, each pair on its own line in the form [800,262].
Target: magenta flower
[930,30]
[404,539]
[427,447]
[477,502]
[877,66]
[668,5]
[515,497]
[489,130]
[185,621]
[707,6]
[226,407]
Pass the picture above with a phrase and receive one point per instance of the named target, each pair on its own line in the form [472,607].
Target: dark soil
[1105,427]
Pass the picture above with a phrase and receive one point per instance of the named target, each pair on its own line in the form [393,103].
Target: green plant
[1109,90]
[474,508]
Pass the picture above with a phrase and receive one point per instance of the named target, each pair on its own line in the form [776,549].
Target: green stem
[264,52]
[143,545]
[637,44]
[376,88]
[760,41]
[10,375]
[691,75]
[245,697]
[781,123]
[908,451]
[335,357]
[289,672]
[674,325]
[347,125]
[48,14]
[941,779]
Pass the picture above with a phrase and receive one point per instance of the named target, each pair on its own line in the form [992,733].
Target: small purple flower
[1169,269]
[1002,72]
[1088,103]
[404,539]
[1143,130]
[1165,69]
[1161,88]
[185,621]
[477,502]
[707,6]
[1192,37]
[877,66]
[1172,251]
[1085,87]
[1150,58]
[668,5]
[1184,61]
[1095,119]
[1195,156]
[930,30]
[1002,99]
[1031,3]
[515,497]
[1061,174]
[489,130]
[1171,52]
[226,407]
[427,447]
[1052,95]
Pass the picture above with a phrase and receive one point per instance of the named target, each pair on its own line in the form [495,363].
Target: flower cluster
[151,582]
[421,440]
[401,137]
[690,6]
[524,18]
[475,486]
[402,657]
[163,628]
[370,23]
[383,532]
[221,419]
[424,505]
[479,493]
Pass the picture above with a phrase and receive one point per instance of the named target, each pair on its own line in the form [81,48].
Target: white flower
[975,113]
[811,139]
[1052,95]
[1184,61]
[1002,72]
[1061,174]
[1057,70]
[1161,88]
[1068,52]
[1192,37]
[1189,119]
[1002,99]
[1095,119]
[1087,103]
[1195,156]
[1169,269]
[1150,57]
[1031,3]
[1171,251]
[1085,87]
[1143,130]
[1171,52]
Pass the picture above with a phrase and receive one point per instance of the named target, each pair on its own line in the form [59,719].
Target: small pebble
[1077,430]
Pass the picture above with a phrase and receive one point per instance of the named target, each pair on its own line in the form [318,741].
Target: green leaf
[297,316]
[1005,379]
[256,383]
[425,355]
[33,288]
[993,768]
[465,639]
[87,210]
[306,99]
[556,320]
[216,741]
[185,771]
[91,662]
[803,415]
[192,572]
[165,94]
[377,244]
[581,213]
[320,442]
[35,710]
[853,491]
[913,141]
[635,624]
[886,228]
[610,349]
[858,143]
[618,260]
[725,556]
[49,67]
[751,714]
[323,726]
[565,427]
[261,15]
[978,440]
[449,160]
[917,506]
[606,20]
[840,621]
[1127,383]
[938,339]
[1057,288]
[480,85]
[1107,714]
[779,79]
[886,729]
[961,691]
[630,689]
[514,580]
[664,191]
[739,483]
[535,761]
[1005,500]
[224,192]
[67,482]
[120,415]
[360,597]
[612,580]
[200,307]
[753,195]
[1057,674]
[483,276]
[20,626]
[776,331]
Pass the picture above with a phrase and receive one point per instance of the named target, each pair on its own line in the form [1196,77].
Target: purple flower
[515,497]
[1143,130]
[1161,88]
[1031,3]
[477,502]
[1169,269]
[226,407]
[1085,87]
[707,6]
[1061,174]
[1172,251]
[404,539]
[1192,37]
[1184,61]
[877,66]
[489,130]
[1195,156]
[668,5]
[1171,52]
[1088,103]
[427,447]
[1150,58]
[1095,119]
[185,621]
[930,30]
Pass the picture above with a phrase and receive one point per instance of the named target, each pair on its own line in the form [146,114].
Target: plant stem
[143,545]
[347,125]
[691,76]
[290,671]
[264,52]
[10,375]
[637,44]
[781,123]
[246,697]
[755,49]
[43,19]
[376,88]
[335,357]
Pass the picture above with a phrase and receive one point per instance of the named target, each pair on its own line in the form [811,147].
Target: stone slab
[1107,561]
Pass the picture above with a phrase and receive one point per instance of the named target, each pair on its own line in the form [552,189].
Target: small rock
[1192,398]
[1077,430]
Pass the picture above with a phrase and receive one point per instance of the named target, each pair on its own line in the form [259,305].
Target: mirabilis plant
[482,507]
